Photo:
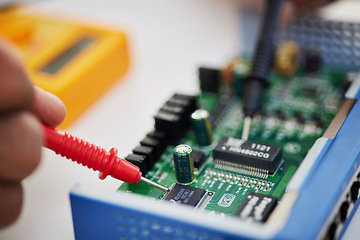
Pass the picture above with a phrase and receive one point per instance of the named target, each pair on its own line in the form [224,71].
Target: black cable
[258,78]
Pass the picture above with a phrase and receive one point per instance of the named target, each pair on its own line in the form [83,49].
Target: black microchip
[183,194]
[199,158]
[256,207]
[247,153]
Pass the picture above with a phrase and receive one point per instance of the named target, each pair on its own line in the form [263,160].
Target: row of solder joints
[171,122]
[288,125]
[296,116]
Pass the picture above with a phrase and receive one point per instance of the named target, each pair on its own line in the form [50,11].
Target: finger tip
[49,108]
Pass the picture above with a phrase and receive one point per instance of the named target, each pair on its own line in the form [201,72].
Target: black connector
[344,210]
[160,136]
[140,161]
[153,143]
[331,234]
[354,191]
[148,152]
[173,119]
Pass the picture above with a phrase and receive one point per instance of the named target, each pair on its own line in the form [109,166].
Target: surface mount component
[199,158]
[256,207]
[235,151]
[183,194]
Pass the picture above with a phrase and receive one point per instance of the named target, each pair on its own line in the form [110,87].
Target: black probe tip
[252,95]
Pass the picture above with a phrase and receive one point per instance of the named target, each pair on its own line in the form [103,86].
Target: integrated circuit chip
[256,207]
[199,158]
[242,152]
[183,194]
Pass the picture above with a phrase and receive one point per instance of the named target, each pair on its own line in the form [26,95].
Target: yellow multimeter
[75,61]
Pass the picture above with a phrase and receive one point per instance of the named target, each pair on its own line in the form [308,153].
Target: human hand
[22,109]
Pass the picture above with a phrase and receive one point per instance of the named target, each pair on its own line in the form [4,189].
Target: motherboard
[229,171]
[299,165]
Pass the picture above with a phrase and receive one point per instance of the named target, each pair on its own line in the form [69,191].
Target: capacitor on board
[184,163]
[201,123]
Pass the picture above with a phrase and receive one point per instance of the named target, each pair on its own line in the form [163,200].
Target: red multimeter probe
[94,157]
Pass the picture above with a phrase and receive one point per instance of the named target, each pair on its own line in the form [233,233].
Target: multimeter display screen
[55,65]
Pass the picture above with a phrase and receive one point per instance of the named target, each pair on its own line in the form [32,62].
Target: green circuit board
[296,111]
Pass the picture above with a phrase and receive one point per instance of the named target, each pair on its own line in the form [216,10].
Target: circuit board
[296,110]
[299,165]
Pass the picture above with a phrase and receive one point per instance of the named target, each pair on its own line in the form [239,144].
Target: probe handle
[91,156]
[258,78]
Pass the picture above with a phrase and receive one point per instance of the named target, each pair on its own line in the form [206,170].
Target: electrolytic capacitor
[202,126]
[184,163]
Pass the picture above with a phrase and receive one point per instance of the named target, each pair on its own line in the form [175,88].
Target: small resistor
[287,58]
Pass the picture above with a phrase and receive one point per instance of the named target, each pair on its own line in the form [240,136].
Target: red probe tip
[94,157]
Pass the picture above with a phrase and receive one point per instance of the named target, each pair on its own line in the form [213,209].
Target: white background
[168,40]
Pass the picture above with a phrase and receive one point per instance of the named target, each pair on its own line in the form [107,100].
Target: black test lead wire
[258,79]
